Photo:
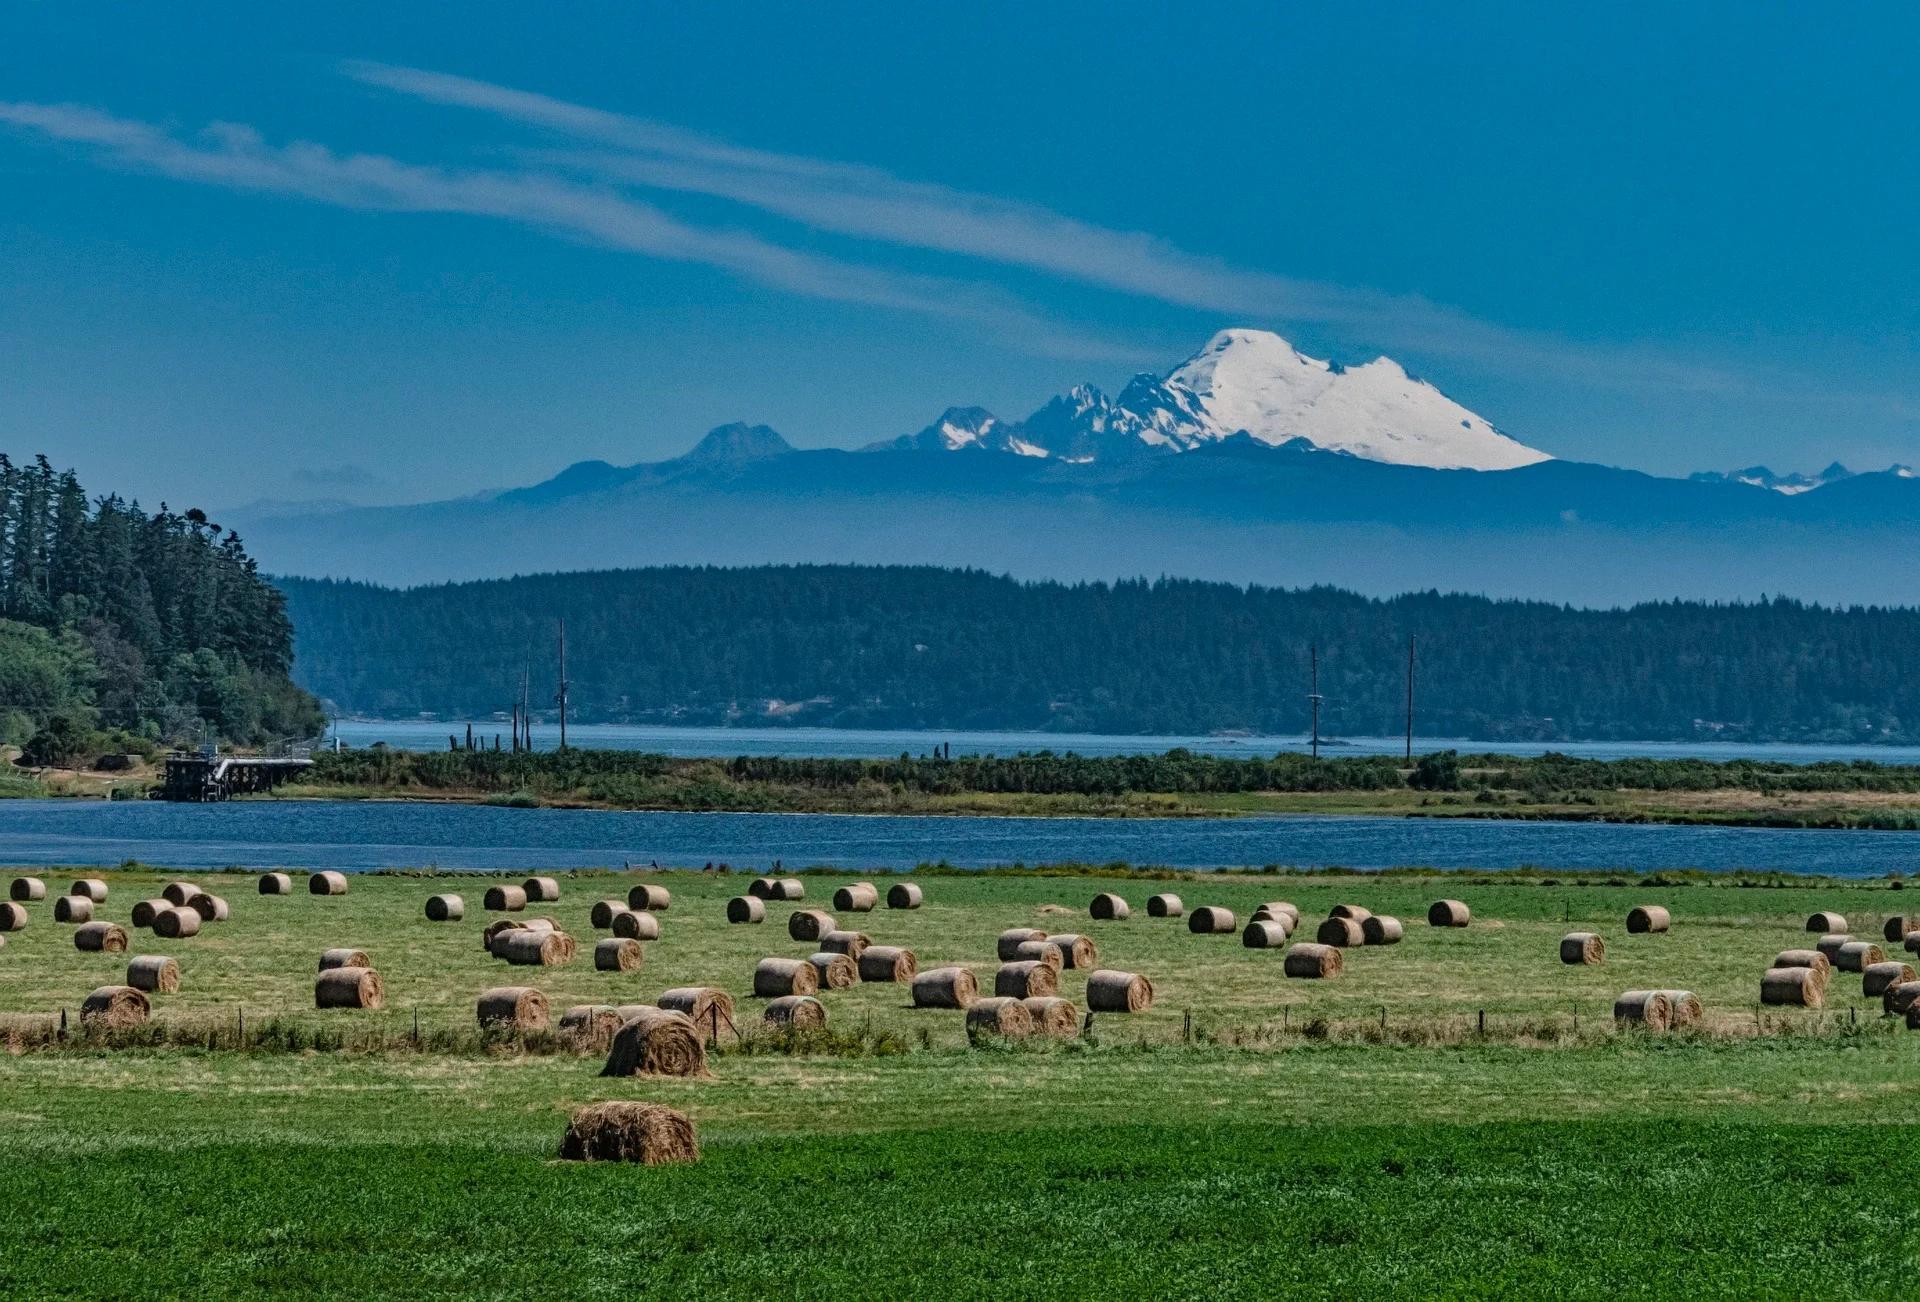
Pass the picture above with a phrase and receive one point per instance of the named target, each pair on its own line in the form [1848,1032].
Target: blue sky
[341,251]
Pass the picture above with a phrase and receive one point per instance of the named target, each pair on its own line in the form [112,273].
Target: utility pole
[526,701]
[563,684]
[1410,644]
[1313,695]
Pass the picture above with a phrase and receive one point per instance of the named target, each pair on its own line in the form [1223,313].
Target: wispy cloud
[237,157]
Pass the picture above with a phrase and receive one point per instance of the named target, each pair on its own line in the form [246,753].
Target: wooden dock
[202,778]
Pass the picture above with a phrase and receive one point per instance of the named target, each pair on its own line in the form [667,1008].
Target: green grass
[1287,1142]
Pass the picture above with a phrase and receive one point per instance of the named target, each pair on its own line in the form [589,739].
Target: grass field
[1286,1141]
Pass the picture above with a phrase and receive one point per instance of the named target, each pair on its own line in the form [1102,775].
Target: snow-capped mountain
[1792,482]
[1251,382]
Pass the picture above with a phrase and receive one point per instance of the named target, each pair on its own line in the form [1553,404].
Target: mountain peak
[739,442]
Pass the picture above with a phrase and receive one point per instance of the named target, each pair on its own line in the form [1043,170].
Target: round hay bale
[91,887]
[629,1132]
[1684,1008]
[1287,922]
[1211,920]
[601,915]
[836,971]
[276,884]
[1279,911]
[114,1007]
[72,908]
[1026,980]
[27,889]
[1913,1018]
[1582,947]
[646,898]
[541,890]
[522,1008]
[445,908]
[705,1005]
[1878,978]
[882,963]
[1382,930]
[809,924]
[618,954]
[1830,945]
[1448,913]
[100,938]
[349,987]
[1314,962]
[1353,911]
[1899,927]
[504,899]
[1858,955]
[327,883]
[1268,933]
[1009,1019]
[944,987]
[1109,991]
[631,924]
[1649,1008]
[177,893]
[1015,936]
[211,908]
[800,1011]
[176,924]
[1344,932]
[657,1042]
[1898,999]
[1827,922]
[145,911]
[344,956]
[1075,951]
[861,897]
[1913,943]
[773,977]
[762,888]
[13,917]
[1648,919]
[1799,987]
[1054,1017]
[746,908]
[534,947]
[1802,958]
[1038,951]
[154,973]
[491,933]
[591,1025]
[905,895]
[1165,905]
[851,943]
[1108,907]
[789,888]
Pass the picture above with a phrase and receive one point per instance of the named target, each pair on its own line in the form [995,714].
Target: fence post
[1483,1023]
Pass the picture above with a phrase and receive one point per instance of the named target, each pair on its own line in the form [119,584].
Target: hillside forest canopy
[915,647]
[122,630]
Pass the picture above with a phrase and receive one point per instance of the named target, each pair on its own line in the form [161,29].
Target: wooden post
[1410,642]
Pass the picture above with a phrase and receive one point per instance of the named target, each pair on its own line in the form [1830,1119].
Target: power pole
[526,701]
[1410,644]
[563,684]
[1313,695]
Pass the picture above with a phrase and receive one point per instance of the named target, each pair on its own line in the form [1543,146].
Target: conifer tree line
[124,629]
[919,647]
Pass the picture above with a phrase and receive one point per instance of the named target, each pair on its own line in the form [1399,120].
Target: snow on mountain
[1252,382]
[1791,483]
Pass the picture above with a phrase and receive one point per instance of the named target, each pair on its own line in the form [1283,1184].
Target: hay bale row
[520,1008]
[1448,913]
[836,971]
[1211,920]
[773,977]
[344,956]
[100,938]
[1165,905]
[1108,907]
[1827,922]
[944,987]
[1878,978]
[803,1011]
[780,888]
[1008,1018]
[1111,991]
[1382,930]
[445,908]
[154,974]
[851,943]
[349,987]
[26,889]
[1028,979]
[91,888]
[276,884]
[327,883]
[1314,961]
[649,899]
[657,1042]
[744,909]
[114,1007]
[1800,987]
[1345,933]
[905,895]
[618,954]
[860,897]
[1582,948]
[1014,937]
[883,963]
[623,1131]
[72,908]
[809,924]
[1648,919]
[1076,951]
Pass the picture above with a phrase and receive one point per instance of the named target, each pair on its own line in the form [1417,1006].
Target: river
[359,835]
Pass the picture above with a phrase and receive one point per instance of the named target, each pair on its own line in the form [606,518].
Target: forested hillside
[119,628]
[915,647]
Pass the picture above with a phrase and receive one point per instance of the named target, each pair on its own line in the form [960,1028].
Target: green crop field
[1359,1134]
